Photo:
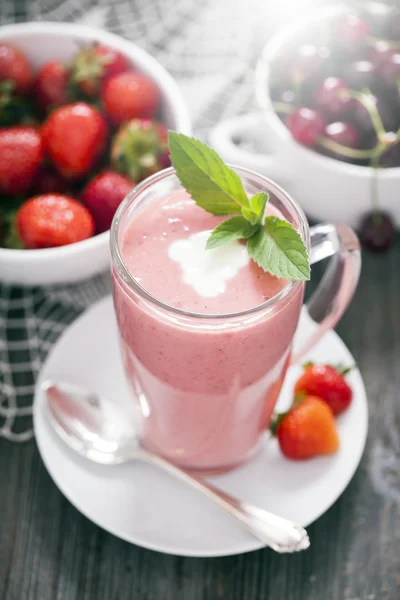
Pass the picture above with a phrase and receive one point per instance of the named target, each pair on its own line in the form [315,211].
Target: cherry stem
[365,98]
[398,86]
[394,45]
[344,150]
[282,107]
[374,188]
[297,81]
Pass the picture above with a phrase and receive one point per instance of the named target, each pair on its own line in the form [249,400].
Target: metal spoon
[98,430]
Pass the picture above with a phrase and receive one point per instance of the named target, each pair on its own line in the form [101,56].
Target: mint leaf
[255,213]
[212,185]
[258,204]
[278,249]
[249,215]
[235,228]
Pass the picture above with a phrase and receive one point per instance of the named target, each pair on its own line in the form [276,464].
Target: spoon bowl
[90,424]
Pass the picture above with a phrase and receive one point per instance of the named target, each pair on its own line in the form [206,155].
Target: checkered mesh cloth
[208,46]
[31,319]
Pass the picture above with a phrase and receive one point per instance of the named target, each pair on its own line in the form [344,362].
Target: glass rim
[128,278]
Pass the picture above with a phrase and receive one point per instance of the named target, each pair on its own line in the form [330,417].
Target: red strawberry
[103,195]
[307,430]
[140,148]
[14,67]
[93,66]
[75,136]
[21,151]
[48,181]
[130,95]
[53,220]
[327,383]
[51,85]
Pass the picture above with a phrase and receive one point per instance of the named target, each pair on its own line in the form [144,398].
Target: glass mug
[205,386]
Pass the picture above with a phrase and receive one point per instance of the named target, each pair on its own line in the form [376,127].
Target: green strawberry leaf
[8,234]
[212,184]
[278,249]
[12,240]
[235,228]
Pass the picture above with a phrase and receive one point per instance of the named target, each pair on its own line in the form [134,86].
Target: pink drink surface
[145,253]
[205,388]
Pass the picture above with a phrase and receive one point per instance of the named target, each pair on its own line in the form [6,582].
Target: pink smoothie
[205,387]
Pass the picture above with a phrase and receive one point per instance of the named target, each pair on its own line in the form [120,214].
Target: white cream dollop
[207,271]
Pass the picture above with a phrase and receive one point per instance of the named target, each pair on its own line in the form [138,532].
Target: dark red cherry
[380,53]
[377,231]
[343,133]
[351,31]
[331,97]
[389,71]
[360,74]
[306,125]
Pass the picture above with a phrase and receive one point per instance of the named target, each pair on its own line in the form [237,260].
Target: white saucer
[142,505]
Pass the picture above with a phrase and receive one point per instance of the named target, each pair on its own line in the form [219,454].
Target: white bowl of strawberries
[83,118]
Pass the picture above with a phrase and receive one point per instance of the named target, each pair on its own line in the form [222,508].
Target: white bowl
[45,41]
[327,189]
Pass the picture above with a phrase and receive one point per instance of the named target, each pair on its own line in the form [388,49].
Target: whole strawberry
[327,383]
[50,88]
[21,151]
[94,65]
[75,135]
[129,95]
[306,430]
[140,149]
[15,68]
[103,195]
[53,220]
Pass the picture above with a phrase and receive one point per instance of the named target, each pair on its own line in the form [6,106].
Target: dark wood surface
[48,551]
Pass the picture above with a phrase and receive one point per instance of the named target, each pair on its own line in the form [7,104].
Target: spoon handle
[276,532]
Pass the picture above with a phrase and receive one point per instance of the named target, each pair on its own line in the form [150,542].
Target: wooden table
[49,551]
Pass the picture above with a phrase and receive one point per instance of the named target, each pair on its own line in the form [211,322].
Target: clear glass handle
[336,288]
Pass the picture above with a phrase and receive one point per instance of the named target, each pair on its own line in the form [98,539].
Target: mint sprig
[273,243]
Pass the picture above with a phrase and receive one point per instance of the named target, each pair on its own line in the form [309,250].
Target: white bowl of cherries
[329,128]
[83,118]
